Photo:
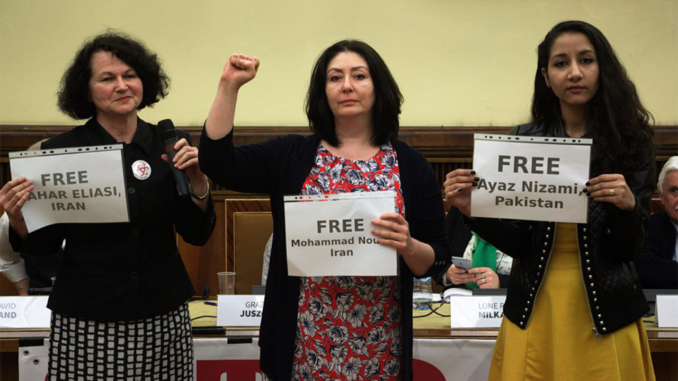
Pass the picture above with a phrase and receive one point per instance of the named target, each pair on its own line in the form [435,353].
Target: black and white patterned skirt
[157,348]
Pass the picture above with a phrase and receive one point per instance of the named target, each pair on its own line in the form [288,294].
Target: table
[432,334]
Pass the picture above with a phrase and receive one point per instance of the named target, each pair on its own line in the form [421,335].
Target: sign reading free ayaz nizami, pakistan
[531,178]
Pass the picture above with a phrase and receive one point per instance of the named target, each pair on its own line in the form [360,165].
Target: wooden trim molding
[441,142]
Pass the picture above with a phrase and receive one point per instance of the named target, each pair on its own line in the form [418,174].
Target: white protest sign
[476,311]
[24,312]
[73,185]
[330,235]
[531,178]
[239,310]
[666,311]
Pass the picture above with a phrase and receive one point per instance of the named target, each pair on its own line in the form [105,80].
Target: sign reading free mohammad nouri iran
[531,178]
[331,235]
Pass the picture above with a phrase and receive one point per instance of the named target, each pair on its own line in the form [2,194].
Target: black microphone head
[166,129]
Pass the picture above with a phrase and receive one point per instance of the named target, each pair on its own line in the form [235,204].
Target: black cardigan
[279,167]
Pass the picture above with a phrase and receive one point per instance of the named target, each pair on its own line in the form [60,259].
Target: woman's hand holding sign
[458,185]
[397,235]
[13,196]
[612,188]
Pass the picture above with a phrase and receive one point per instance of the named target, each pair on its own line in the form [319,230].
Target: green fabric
[484,255]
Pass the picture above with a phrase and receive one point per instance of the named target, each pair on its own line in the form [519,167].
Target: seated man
[493,265]
[656,264]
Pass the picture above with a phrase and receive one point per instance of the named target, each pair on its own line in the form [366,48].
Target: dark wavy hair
[616,119]
[74,96]
[387,96]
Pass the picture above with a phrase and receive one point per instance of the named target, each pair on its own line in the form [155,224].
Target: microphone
[168,135]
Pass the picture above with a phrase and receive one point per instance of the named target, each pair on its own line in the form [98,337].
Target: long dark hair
[616,119]
[387,96]
[74,97]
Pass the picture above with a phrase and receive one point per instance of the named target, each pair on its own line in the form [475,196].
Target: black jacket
[125,271]
[655,264]
[608,244]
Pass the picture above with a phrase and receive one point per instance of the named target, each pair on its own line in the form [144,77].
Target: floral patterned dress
[349,328]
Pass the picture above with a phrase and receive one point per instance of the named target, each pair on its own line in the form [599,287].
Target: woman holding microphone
[119,303]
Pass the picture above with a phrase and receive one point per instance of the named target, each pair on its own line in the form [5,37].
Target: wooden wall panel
[235,206]
[203,262]
[251,232]
[446,148]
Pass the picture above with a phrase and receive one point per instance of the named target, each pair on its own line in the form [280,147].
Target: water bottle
[422,294]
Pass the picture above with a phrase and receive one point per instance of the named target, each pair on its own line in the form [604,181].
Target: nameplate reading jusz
[531,178]
[239,310]
[73,185]
[331,235]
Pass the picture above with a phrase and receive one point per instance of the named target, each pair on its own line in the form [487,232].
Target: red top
[350,327]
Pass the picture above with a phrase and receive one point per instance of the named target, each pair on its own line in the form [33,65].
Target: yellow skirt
[559,343]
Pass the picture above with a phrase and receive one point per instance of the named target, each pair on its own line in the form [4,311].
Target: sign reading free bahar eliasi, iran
[531,178]
[73,185]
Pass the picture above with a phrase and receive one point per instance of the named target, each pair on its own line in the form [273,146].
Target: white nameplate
[239,310]
[24,312]
[476,311]
[666,311]
[331,235]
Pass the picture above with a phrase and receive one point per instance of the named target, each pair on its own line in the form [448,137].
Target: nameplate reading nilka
[331,235]
[476,311]
[239,310]
[24,312]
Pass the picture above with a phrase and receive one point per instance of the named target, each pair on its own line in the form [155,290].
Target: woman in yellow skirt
[574,304]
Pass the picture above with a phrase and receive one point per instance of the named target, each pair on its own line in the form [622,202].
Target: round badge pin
[141,170]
